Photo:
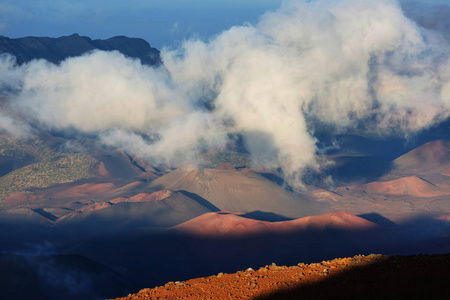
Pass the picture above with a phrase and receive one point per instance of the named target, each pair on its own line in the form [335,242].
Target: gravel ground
[359,277]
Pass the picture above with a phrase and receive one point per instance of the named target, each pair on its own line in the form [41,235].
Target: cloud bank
[350,64]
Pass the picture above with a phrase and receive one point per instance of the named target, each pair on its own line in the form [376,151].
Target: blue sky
[160,22]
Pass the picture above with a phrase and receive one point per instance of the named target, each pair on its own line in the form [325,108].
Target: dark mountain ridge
[58,49]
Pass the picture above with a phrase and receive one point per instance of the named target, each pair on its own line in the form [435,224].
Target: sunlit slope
[238,190]
[44,166]
[223,224]
[431,157]
[409,186]
[141,211]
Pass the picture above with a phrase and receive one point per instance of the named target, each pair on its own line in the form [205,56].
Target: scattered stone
[262,270]
[431,270]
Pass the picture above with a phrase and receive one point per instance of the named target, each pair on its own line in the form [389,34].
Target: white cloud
[344,63]
[99,91]
[341,62]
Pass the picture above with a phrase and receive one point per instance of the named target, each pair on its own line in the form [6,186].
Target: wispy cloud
[174,29]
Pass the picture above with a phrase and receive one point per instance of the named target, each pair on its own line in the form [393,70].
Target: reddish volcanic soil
[227,224]
[85,189]
[359,277]
[101,169]
[19,199]
[142,197]
[433,157]
[411,186]
[226,187]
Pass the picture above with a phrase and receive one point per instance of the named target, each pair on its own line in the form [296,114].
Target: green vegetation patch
[32,148]
[66,168]
[50,167]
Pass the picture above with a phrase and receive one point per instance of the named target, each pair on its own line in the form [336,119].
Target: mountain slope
[224,224]
[410,186]
[160,209]
[431,157]
[238,190]
[58,49]
[58,277]
[359,277]
[39,166]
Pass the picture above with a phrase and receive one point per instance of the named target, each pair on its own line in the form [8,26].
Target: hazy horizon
[161,23]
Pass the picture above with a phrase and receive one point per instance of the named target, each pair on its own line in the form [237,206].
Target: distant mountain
[410,186]
[58,49]
[228,225]
[431,157]
[238,190]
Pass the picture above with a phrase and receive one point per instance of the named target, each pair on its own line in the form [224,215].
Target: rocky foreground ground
[359,277]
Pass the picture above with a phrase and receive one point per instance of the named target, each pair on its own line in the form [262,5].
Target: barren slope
[410,186]
[359,277]
[159,209]
[238,190]
[432,157]
[226,224]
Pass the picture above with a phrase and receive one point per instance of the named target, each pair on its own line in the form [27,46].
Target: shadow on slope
[359,168]
[58,277]
[22,226]
[277,179]
[227,189]
[265,216]
[395,277]
[128,216]
[9,164]
[156,257]
[202,201]
[378,219]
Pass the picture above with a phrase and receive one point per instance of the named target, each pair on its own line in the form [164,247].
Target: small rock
[262,270]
